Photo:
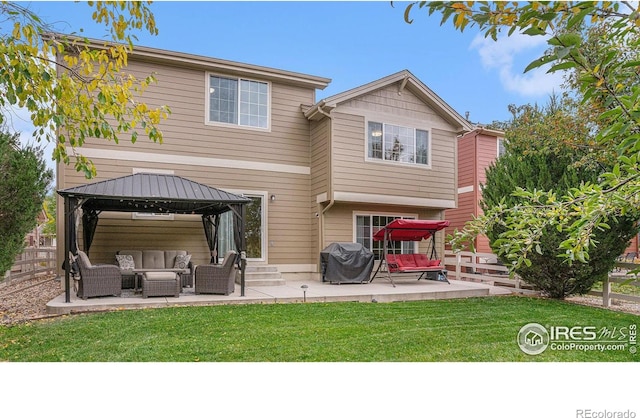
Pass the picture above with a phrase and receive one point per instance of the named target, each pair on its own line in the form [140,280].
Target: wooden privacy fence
[32,262]
[485,267]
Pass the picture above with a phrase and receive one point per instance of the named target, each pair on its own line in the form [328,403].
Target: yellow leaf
[16,30]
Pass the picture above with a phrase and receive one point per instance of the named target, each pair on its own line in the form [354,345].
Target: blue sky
[352,43]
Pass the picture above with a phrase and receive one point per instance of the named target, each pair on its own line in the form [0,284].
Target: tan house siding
[320,157]
[185,132]
[288,215]
[387,101]
[308,159]
[183,233]
[341,218]
[353,173]
[320,136]
[187,137]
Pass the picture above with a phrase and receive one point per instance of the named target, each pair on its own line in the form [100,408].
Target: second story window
[398,144]
[238,101]
[501,149]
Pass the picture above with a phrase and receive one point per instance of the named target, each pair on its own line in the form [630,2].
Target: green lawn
[462,330]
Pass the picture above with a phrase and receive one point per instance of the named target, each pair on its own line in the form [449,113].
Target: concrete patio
[407,289]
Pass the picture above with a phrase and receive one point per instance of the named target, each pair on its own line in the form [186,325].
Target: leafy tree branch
[605,73]
[88,94]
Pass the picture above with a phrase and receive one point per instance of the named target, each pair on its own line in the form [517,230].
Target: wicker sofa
[156,260]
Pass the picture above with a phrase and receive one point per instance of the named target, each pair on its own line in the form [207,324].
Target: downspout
[476,186]
[331,200]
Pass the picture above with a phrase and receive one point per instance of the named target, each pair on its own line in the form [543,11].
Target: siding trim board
[191,160]
[394,200]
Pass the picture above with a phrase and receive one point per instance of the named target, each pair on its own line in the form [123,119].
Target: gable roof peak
[405,80]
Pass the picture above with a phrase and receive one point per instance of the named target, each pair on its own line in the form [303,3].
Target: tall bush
[25,179]
[542,153]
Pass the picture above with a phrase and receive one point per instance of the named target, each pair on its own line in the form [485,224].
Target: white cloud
[509,56]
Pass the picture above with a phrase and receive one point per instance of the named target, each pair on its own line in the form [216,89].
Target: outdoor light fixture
[273,198]
[304,292]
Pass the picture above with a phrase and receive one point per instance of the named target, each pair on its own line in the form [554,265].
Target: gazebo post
[67,247]
[243,248]
[70,240]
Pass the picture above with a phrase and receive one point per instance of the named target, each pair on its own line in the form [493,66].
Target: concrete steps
[258,275]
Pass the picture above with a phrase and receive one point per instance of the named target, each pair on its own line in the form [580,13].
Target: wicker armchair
[217,278]
[98,280]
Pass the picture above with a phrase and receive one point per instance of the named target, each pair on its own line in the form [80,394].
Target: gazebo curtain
[89,225]
[211,224]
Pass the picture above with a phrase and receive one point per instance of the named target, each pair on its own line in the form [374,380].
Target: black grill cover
[346,263]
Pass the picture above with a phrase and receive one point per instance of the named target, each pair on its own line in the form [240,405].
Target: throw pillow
[125,262]
[182,261]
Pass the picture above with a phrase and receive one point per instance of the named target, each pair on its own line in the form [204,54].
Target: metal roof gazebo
[151,193]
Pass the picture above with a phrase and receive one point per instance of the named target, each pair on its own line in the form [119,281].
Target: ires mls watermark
[591,413]
[534,338]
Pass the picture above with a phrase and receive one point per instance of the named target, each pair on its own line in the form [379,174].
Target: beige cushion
[160,275]
[153,259]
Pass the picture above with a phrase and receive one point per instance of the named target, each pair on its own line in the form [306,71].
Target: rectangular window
[368,225]
[500,147]
[398,143]
[238,101]
[375,140]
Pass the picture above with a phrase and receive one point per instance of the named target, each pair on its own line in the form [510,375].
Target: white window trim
[235,125]
[355,215]
[398,163]
[152,216]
